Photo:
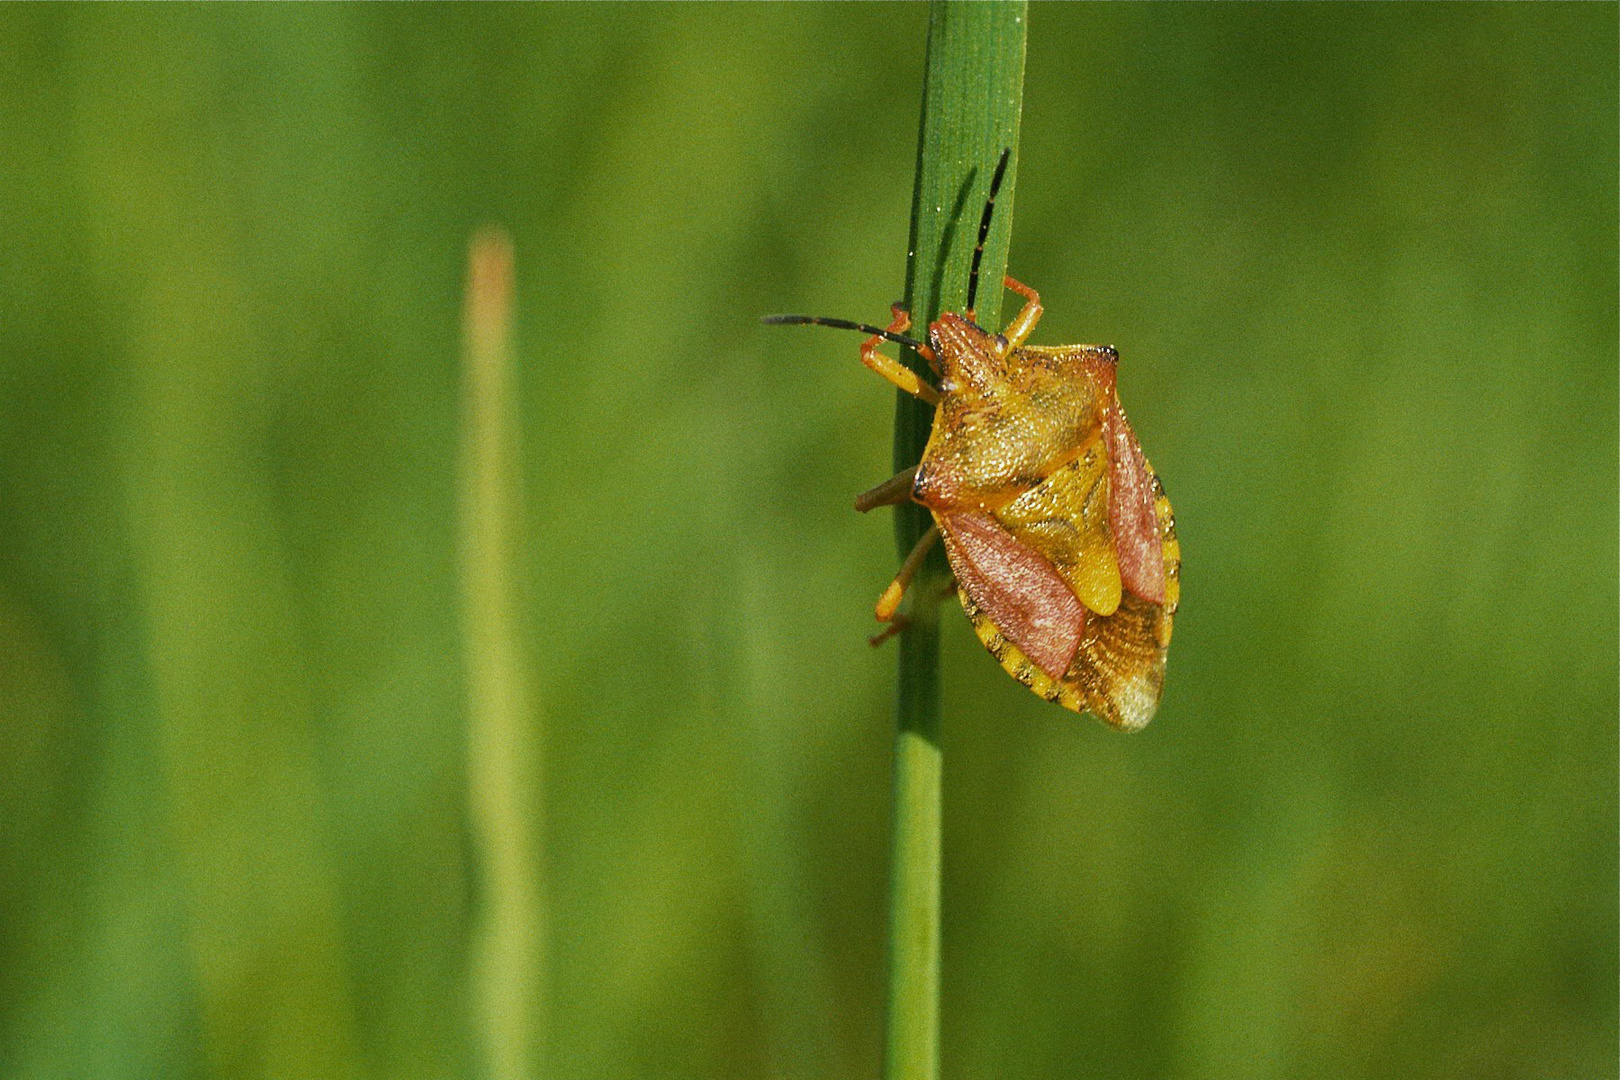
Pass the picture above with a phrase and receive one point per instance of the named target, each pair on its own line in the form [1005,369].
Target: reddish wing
[1131,517]
[1017,588]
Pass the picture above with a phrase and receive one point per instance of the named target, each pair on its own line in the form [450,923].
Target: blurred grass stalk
[502,759]
[972,98]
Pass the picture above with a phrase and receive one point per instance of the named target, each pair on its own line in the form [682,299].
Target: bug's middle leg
[897,625]
[889,602]
[893,491]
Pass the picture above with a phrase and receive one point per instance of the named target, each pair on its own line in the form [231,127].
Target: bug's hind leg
[893,491]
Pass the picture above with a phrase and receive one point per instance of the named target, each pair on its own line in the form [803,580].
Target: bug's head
[969,356]
[953,333]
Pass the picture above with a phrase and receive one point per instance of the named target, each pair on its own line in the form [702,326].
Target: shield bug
[1057,530]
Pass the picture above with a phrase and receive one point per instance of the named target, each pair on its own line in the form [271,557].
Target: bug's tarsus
[843,324]
[896,627]
[984,230]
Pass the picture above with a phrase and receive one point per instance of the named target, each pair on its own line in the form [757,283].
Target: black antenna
[984,228]
[841,324]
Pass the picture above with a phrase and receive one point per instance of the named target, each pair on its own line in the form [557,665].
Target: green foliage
[1360,264]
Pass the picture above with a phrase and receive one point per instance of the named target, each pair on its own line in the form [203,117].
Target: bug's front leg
[892,369]
[1019,329]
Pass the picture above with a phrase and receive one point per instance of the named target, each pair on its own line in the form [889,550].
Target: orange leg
[1018,330]
[889,602]
[894,370]
[898,624]
[896,489]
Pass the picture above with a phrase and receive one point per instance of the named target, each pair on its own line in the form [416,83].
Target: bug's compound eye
[1001,342]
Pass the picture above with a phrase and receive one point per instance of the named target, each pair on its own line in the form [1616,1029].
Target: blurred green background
[1360,262]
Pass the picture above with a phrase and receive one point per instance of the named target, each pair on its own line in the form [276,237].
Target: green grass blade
[972,96]
[502,759]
